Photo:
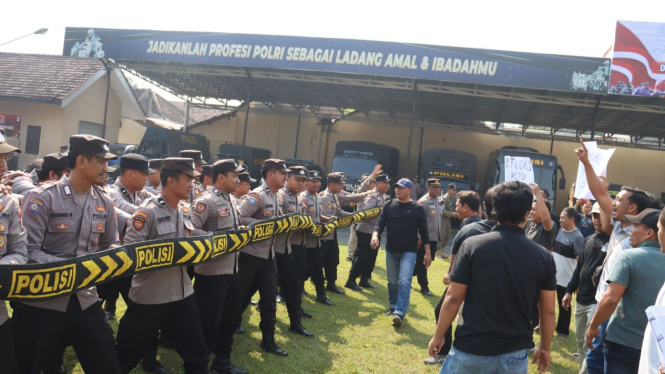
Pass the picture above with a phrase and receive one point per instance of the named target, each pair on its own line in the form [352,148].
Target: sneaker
[436,361]
[561,336]
[397,320]
[389,312]
[576,354]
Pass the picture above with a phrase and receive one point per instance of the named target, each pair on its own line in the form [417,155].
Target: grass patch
[351,337]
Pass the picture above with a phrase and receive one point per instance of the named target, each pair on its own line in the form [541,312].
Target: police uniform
[217,286]
[13,250]
[123,199]
[162,297]
[198,159]
[64,224]
[287,267]
[244,177]
[364,259]
[330,249]
[312,204]
[433,214]
[51,162]
[257,261]
[353,238]
[155,164]
[448,205]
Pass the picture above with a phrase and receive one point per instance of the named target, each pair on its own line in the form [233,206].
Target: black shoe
[109,315]
[240,330]
[154,366]
[274,349]
[300,330]
[324,301]
[352,285]
[427,293]
[224,367]
[364,283]
[335,289]
[305,314]
[280,299]
[389,312]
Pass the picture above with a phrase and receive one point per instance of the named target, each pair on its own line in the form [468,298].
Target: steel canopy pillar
[413,114]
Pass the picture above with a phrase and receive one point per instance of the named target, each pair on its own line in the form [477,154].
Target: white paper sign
[656,316]
[519,169]
[599,158]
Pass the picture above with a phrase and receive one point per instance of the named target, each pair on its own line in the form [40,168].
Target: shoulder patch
[216,191]
[124,191]
[35,205]
[67,190]
[200,207]
[253,198]
[185,209]
[161,201]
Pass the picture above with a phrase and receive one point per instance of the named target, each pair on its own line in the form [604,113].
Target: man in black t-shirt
[497,325]
[467,206]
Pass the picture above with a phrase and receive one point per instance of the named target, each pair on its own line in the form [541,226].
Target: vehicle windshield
[118,151]
[353,167]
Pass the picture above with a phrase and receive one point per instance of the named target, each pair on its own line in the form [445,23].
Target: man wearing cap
[312,203]
[430,203]
[153,185]
[64,150]
[13,250]
[635,280]
[367,184]
[217,286]
[244,186]
[164,298]
[593,254]
[364,258]
[127,192]
[54,166]
[206,177]
[198,162]
[447,212]
[257,261]
[67,219]
[287,268]
[330,207]
[406,220]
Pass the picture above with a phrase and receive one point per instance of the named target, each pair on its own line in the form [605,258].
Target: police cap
[132,161]
[274,164]
[6,148]
[207,170]
[194,155]
[244,177]
[156,163]
[298,171]
[313,174]
[223,166]
[91,144]
[433,182]
[55,161]
[185,165]
[335,178]
[382,178]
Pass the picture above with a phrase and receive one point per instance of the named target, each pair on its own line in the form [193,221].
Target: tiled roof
[45,78]
[155,106]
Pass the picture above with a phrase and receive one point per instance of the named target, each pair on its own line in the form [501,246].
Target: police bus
[449,166]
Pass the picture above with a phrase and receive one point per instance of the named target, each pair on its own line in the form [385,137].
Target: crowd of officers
[64,209]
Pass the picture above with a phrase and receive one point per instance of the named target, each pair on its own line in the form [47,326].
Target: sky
[581,27]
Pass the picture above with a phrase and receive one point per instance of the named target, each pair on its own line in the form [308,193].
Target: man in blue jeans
[501,277]
[406,219]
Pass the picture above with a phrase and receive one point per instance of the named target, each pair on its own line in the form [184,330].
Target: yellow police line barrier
[33,282]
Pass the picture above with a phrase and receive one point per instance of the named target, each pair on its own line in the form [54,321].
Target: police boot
[321,296]
[222,365]
[153,366]
[333,288]
[271,347]
[300,330]
[364,283]
[305,314]
[351,284]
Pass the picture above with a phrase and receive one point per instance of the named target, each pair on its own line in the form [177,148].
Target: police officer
[217,286]
[287,268]
[164,297]
[206,177]
[312,203]
[54,166]
[430,202]
[364,258]
[67,219]
[13,250]
[244,186]
[153,185]
[330,207]
[448,211]
[257,261]
[198,162]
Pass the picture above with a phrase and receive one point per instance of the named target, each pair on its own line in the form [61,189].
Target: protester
[406,219]
[497,325]
[586,220]
[593,254]
[636,277]
[467,207]
[629,201]
[540,228]
[567,248]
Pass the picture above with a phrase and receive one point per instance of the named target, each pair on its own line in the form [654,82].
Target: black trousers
[364,258]
[260,274]
[111,291]
[218,299]
[315,269]
[448,344]
[300,256]
[289,284]
[563,323]
[39,335]
[330,253]
[183,321]
[419,270]
[8,363]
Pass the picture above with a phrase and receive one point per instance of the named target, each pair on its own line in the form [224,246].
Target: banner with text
[519,169]
[502,68]
[52,280]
